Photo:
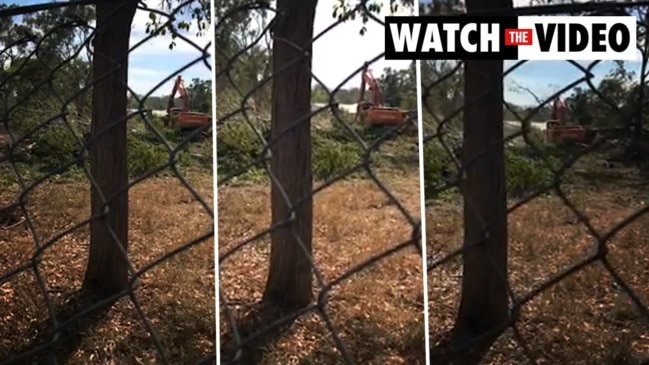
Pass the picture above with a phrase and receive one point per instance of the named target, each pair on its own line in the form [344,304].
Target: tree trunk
[107,271]
[290,274]
[638,117]
[484,298]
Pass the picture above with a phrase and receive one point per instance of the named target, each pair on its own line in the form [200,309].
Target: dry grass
[177,295]
[584,319]
[378,313]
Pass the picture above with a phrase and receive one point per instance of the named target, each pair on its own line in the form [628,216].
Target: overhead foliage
[181,16]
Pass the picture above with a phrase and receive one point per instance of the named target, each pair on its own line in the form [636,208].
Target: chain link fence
[319,235]
[552,215]
[106,199]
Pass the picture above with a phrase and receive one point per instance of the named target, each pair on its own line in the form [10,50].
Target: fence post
[107,271]
[484,298]
[290,274]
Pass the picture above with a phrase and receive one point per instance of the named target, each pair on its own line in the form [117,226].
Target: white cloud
[342,50]
[143,72]
[159,45]
[153,61]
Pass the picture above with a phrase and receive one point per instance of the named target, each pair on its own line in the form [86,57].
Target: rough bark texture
[290,276]
[484,298]
[107,271]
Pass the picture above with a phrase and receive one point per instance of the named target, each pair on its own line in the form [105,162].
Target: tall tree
[107,270]
[391,87]
[43,63]
[290,274]
[484,296]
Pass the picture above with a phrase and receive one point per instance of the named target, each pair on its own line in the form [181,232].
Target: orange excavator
[181,117]
[372,113]
[557,130]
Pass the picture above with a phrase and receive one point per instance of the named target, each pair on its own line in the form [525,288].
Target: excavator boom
[179,87]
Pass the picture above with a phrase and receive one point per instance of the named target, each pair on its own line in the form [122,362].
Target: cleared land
[378,312]
[586,318]
[177,295]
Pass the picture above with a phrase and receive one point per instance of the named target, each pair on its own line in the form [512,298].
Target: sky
[544,78]
[337,54]
[341,51]
[153,61]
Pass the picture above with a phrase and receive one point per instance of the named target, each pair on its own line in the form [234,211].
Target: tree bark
[107,271]
[484,298]
[290,275]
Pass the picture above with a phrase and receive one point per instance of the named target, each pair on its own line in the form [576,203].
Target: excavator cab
[561,133]
[371,113]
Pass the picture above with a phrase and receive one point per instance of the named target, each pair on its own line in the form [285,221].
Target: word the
[511,38]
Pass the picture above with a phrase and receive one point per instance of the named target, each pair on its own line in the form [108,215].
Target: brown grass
[377,313]
[584,319]
[177,295]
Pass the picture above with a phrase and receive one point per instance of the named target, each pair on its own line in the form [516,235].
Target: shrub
[525,170]
[436,168]
[237,147]
[331,158]
[526,174]
[144,157]
[55,146]
[335,128]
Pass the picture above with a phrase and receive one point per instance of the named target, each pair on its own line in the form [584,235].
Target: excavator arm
[179,87]
[368,80]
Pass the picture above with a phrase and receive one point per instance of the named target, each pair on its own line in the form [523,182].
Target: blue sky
[544,78]
[152,62]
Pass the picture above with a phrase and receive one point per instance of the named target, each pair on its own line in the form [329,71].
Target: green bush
[336,129]
[526,174]
[55,146]
[435,167]
[237,147]
[525,170]
[331,158]
[144,157]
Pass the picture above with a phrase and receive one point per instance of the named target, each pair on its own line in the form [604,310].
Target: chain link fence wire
[551,265]
[163,312]
[366,260]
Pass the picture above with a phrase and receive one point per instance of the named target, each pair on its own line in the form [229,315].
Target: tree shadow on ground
[452,350]
[50,347]
[254,323]
[368,342]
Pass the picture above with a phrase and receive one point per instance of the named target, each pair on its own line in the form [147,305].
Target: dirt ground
[176,295]
[586,318]
[377,313]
